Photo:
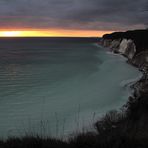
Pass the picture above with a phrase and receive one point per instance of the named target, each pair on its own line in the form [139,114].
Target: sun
[11,33]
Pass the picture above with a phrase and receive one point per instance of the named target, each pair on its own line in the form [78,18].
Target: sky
[71,17]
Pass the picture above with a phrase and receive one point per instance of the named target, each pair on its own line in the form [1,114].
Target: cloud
[74,14]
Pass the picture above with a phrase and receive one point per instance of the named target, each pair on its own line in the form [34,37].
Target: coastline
[125,44]
[126,47]
[133,84]
[136,108]
[117,129]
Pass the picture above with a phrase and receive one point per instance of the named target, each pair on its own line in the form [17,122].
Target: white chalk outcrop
[123,46]
[128,48]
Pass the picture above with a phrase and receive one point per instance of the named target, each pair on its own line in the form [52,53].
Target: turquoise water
[57,86]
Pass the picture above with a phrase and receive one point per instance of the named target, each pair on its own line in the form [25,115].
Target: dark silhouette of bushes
[33,142]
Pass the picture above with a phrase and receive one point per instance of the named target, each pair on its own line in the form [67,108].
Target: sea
[59,86]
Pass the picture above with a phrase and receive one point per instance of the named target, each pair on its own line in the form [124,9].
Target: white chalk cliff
[128,48]
[125,46]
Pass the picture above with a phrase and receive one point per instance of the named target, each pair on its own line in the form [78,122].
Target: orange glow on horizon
[10,33]
[52,33]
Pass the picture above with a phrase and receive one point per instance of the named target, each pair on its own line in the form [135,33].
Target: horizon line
[52,33]
[50,36]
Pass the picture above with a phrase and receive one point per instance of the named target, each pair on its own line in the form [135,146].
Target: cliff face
[128,48]
[125,47]
[132,44]
[141,60]
[140,38]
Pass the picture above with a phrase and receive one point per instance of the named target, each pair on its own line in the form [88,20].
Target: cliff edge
[132,44]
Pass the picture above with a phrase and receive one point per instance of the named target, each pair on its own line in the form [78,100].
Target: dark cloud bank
[74,14]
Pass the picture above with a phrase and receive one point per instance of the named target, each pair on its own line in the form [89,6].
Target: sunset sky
[71,17]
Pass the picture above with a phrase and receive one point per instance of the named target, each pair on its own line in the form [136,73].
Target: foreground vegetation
[125,129]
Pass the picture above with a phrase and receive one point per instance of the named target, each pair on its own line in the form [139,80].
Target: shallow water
[56,86]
